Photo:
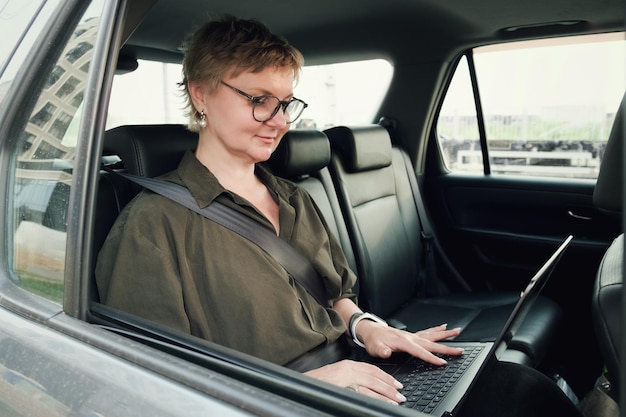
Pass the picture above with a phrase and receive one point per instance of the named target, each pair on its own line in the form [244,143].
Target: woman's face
[230,123]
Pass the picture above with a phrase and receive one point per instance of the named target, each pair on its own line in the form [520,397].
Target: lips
[267,139]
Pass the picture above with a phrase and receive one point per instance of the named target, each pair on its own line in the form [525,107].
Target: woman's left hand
[381,341]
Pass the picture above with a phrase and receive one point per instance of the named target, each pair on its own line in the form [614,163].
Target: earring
[202,121]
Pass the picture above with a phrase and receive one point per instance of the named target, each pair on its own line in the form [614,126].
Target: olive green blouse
[167,264]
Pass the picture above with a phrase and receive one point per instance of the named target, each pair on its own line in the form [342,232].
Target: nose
[279,121]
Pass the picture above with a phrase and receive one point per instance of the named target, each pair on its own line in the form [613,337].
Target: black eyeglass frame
[255,100]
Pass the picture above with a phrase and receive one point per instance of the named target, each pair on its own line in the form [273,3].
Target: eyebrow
[267,93]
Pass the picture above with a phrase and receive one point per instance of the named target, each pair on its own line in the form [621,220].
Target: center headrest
[149,150]
[608,192]
[300,153]
[361,148]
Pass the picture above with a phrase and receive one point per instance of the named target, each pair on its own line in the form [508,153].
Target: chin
[261,156]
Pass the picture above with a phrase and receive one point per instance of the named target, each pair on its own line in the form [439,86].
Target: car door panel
[504,227]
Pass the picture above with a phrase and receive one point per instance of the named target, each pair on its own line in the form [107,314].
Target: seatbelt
[431,245]
[299,267]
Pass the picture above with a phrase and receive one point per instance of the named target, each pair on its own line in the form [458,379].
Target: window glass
[42,176]
[148,95]
[548,106]
[344,93]
[16,17]
[457,127]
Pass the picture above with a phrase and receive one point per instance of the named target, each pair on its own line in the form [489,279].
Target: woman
[167,264]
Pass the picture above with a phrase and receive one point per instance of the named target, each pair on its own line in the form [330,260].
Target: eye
[262,100]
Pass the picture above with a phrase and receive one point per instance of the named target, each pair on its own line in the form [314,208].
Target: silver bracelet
[357,319]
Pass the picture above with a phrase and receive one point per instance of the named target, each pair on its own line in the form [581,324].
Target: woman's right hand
[361,377]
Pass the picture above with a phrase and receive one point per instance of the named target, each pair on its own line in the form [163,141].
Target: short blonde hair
[230,46]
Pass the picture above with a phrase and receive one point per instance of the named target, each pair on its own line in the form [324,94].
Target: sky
[531,79]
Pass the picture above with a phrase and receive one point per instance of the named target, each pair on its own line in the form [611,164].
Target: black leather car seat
[153,150]
[147,150]
[371,177]
[303,157]
[607,293]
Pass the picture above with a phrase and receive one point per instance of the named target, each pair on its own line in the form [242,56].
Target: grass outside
[49,289]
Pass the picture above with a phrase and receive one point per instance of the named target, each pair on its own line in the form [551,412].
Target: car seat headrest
[149,150]
[300,153]
[608,192]
[361,148]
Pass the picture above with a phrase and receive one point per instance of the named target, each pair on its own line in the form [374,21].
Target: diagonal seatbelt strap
[299,267]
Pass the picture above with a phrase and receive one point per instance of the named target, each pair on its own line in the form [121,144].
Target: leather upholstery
[388,255]
[367,153]
[608,192]
[389,250]
[300,153]
[149,150]
[607,291]
[302,156]
[607,308]
[152,150]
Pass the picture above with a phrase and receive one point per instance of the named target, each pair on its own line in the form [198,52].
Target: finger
[439,332]
[438,335]
[427,356]
[379,349]
[378,383]
[426,351]
[441,327]
[414,345]
[445,349]
[418,347]
[397,398]
[377,377]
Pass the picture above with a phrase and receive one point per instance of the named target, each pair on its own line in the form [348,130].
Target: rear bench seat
[303,156]
[146,150]
[371,178]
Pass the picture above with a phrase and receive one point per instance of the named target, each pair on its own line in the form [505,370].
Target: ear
[197,93]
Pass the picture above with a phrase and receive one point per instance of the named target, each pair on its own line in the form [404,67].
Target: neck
[233,173]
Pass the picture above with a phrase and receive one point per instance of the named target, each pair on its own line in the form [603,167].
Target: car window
[547,105]
[347,93]
[43,151]
[343,93]
[17,17]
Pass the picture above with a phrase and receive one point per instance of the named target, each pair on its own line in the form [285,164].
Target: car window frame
[81,212]
[29,79]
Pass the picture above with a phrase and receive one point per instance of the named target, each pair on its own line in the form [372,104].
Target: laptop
[440,390]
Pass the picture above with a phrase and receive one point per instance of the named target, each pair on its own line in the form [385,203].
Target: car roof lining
[437,30]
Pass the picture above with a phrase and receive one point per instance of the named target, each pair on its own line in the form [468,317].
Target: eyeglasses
[265,107]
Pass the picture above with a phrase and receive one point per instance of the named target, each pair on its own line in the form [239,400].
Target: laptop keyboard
[427,385]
